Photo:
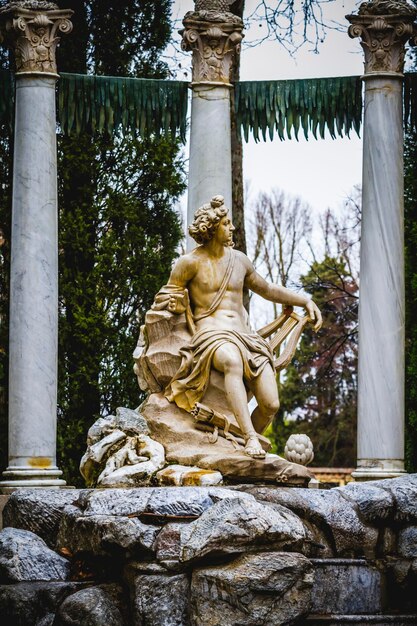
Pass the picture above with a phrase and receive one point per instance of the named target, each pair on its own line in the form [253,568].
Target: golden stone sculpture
[201,361]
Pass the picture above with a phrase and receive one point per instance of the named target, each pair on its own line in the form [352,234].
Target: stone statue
[215,275]
[197,352]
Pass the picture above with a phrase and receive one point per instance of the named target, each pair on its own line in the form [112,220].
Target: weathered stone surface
[33,603]
[178,475]
[336,516]
[185,445]
[38,510]
[102,535]
[168,542]
[155,502]
[407,542]
[269,589]
[240,525]
[404,491]
[24,556]
[374,503]
[160,600]
[93,606]
[346,587]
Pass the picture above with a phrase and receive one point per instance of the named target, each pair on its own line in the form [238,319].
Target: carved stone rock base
[185,445]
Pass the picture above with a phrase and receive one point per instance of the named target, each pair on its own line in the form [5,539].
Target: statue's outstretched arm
[282,295]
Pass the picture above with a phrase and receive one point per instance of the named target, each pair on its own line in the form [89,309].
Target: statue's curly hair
[206,220]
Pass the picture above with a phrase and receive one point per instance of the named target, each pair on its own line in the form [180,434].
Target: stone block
[95,606]
[240,525]
[38,510]
[160,600]
[104,535]
[346,587]
[33,603]
[24,556]
[268,589]
[336,516]
[407,542]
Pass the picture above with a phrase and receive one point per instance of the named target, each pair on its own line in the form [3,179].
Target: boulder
[160,600]
[103,535]
[155,503]
[38,510]
[178,475]
[407,542]
[336,516]
[268,589]
[375,504]
[33,603]
[93,606]
[24,556]
[240,525]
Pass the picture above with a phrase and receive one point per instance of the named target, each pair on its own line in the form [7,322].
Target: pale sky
[322,172]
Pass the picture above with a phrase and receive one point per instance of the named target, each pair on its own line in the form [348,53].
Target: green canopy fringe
[313,104]
[107,103]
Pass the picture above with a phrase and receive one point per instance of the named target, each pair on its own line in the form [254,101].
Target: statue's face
[224,231]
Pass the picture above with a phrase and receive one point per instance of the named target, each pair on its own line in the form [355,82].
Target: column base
[30,478]
[378,469]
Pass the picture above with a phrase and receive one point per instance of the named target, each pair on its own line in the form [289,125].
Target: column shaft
[210,169]
[381,308]
[34,288]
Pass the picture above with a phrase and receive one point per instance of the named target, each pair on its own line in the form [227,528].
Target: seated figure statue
[207,285]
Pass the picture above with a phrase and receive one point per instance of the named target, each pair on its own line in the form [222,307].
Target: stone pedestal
[31,30]
[381,305]
[213,34]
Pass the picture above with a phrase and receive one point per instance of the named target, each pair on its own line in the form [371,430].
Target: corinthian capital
[213,34]
[384,27]
[31,29]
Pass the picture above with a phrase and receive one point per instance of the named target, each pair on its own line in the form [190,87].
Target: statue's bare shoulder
[184,270]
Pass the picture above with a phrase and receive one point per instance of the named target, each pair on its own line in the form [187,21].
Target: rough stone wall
[211,556]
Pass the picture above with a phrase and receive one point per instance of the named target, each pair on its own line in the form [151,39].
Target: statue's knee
[231,360]
[272,407]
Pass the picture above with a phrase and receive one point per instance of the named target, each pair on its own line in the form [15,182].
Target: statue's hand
[314,314]
[172,300]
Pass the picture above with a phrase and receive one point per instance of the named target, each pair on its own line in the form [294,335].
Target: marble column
[383,31]
[213,34]
[31,30]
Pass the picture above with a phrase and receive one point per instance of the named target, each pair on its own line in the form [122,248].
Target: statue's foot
[253,448]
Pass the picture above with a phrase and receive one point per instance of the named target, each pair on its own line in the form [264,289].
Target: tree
[410,236]
[279,225]
[6,150]
[118,227]
[318,390]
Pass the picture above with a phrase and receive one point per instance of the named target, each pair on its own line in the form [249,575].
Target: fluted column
[213,34]
[31,30]
[384,28]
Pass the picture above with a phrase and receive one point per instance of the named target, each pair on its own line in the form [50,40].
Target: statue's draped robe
[190,382]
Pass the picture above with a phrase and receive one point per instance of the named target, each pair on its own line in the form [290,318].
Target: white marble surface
[381,308]
[34,288]
[210,164]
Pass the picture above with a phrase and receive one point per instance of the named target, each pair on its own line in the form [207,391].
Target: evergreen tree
[118,230]
[410,227]
[6,149]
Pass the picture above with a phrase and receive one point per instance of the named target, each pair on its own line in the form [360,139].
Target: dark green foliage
[6,149]
[319,389]
[410,224]
[118,229]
